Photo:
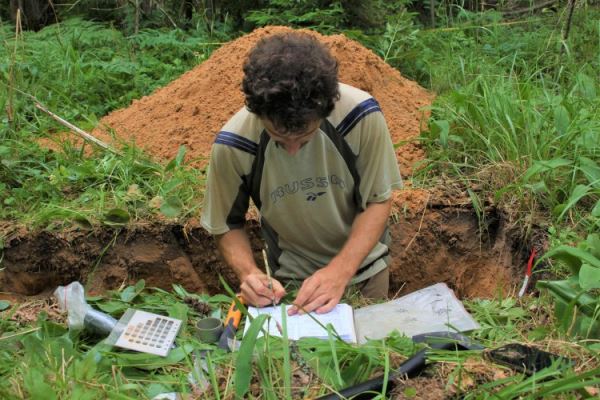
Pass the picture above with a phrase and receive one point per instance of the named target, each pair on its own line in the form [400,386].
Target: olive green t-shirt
[308,201]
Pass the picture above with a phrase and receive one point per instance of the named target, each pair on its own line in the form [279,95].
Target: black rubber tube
[372,387]
[409,368]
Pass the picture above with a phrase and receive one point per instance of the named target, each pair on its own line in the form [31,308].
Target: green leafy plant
[576,299]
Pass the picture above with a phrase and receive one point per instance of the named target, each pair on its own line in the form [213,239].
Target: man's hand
[321,291]
[256,292]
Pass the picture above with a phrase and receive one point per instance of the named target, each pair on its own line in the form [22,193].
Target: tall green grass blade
[336,363]
[579,192]
[287,366]
[243,364]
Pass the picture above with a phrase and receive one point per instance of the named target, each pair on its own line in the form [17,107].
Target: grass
[516,121]
[519,115]
[50,362]
[82,70]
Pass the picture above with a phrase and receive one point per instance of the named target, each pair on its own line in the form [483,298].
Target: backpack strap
[349,157]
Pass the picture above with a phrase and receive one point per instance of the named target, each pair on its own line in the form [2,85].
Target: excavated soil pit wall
[442,244]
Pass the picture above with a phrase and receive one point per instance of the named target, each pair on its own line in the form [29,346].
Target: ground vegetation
[513,138]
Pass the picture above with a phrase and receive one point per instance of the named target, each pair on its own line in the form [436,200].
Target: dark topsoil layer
[438,244]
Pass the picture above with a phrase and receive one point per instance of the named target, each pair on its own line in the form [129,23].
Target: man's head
[290,82]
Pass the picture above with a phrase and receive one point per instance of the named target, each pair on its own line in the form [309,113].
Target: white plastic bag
[71,298]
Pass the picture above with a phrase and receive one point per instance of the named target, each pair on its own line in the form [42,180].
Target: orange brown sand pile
[192,109]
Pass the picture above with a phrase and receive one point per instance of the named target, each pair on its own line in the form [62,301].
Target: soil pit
[436,244]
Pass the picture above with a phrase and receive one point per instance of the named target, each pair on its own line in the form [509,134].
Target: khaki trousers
[377,286]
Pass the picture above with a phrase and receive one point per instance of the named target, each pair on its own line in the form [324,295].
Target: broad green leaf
[441,128]
[570,292]
[116,216]
[180,155]
[545,165]
[586,86]
[562,120]
[180,291]
[113,307]
[595,347]
[178,160]
[287,366]
[538,187]
[538,333]
[82,221]
[35,384]
[243,370]
[589,277]
[83,392]
[219,298]
[179,311]
[171,208]
[573,257]
[577,194]
[150,362]
[593,243]
[154,389]
[4,304]
[131,292]
[457,139]
[591,170]
[596,210]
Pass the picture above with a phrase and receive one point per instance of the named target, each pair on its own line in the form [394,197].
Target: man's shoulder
[241,132]
[245,124]
[354,104]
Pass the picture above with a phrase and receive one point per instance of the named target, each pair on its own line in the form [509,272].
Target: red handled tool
[527,273]
[232,321]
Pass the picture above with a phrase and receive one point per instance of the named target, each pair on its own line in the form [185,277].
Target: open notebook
[431,309]
[299,326]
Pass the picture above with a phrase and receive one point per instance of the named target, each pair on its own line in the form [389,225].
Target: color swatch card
[147,332]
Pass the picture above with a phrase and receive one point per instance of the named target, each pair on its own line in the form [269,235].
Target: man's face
[292,143]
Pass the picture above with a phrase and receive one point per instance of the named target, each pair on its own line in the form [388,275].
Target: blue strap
[237,141]
[359,112]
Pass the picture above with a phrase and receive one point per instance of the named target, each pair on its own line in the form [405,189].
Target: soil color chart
[149,333]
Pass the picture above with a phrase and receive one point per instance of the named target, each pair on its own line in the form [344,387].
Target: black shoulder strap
[253,179]
[250,185]
[349,157]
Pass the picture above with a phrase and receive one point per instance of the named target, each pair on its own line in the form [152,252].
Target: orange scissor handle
[234,315]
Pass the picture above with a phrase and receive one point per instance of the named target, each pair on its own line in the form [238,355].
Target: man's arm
[237,252]
[323,290]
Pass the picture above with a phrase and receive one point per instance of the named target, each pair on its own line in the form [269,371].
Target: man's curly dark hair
[291,79]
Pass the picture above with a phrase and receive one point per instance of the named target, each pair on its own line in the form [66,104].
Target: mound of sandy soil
[193,108]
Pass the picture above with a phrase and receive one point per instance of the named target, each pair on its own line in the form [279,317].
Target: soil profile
[437,244]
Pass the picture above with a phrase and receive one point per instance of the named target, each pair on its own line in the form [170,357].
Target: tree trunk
[35,14]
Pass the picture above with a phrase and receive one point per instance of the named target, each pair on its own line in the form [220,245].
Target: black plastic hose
[409,368]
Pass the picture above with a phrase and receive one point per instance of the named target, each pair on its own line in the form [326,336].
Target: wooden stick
[268,269]
[79,131]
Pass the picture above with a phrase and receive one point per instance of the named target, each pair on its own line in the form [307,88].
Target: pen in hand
[268,269]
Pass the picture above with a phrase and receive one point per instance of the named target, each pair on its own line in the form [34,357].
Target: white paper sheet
[299,326]
[432,309]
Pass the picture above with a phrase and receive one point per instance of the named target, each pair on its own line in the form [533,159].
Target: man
[315,157]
